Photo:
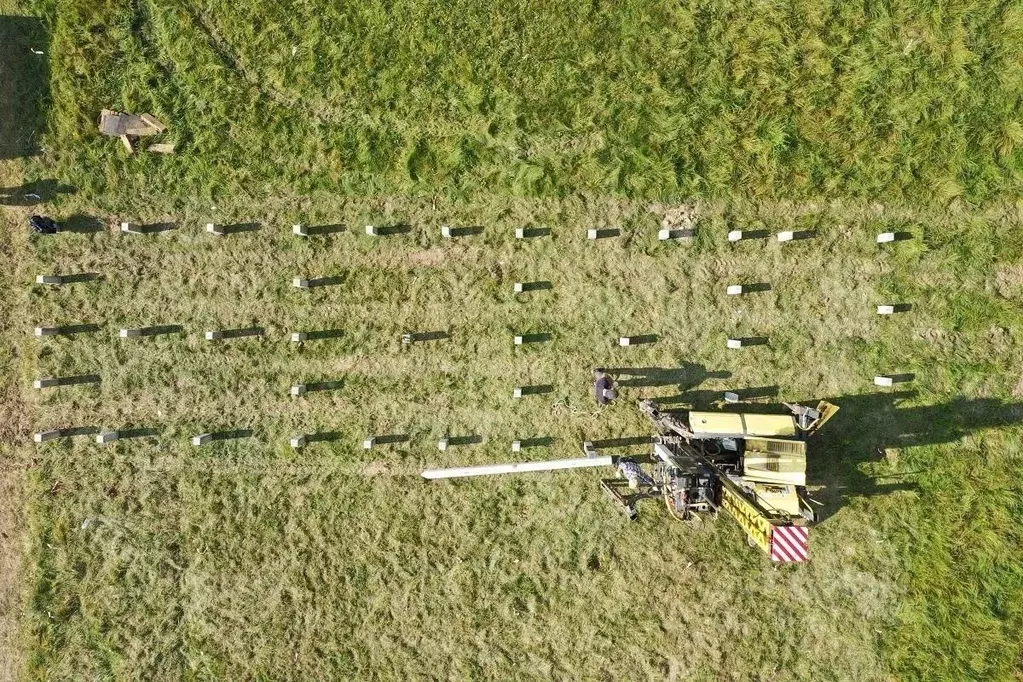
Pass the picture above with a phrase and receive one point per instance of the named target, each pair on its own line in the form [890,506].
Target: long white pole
[519,467]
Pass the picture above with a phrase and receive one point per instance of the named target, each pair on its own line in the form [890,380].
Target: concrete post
[883,381]
[516,445]
[202,439]
[520,233]
[49,279]
[734,343]
[105,437]
[885,237]
[591,234]
[518,287]
[298,336]
[885,310]
[371,231]
[735,236]
[213,228]
[299,230]
[442,444]
[786,236]
[625,341]
[297,441]
[368,443]
[297,390]
[517,392]
[734,289]
[43,436]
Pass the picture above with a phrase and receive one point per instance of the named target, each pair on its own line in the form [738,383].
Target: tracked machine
[750,466]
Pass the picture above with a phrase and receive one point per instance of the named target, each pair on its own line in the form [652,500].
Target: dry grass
[151,559]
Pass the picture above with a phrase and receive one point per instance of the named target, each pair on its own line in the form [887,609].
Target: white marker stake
[442,444]
[520,233]
[734,289]
[735,236]
[734,343]
[516,445]
[105,437]
[591,234]
[518,287]
[883,381]
[885,310]
[297,390]
[298,336]
[518,340]
[517,392]
[49,279]
[299,230]
[664,235]
[300,283]
[213,336]
[445,231]
[297,441]
[885,237]
[43,436]
[625,341]
[212,228]
[369,443]
[786,236]
[46,331]
[371,231]
[202,439]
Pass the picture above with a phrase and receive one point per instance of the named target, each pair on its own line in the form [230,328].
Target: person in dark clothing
[40,224]
[603,387]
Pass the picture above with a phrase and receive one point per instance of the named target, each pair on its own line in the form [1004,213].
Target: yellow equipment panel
[733,425]
[757,528]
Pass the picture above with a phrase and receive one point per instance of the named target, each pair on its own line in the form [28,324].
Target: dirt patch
[1009,281]
[428,258]
[680,217]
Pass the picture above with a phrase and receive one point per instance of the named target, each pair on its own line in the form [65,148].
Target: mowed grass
[152,559]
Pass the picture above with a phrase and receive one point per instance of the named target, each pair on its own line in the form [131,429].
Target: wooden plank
[154,122]
[161,148]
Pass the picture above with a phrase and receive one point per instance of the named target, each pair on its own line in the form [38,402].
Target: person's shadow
[685,377]
[34,193]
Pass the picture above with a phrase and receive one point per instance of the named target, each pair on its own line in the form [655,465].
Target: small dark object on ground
[43,225]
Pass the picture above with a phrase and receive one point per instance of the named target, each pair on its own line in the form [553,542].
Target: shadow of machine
[24,73]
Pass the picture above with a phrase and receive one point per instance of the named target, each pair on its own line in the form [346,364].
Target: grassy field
[152,559]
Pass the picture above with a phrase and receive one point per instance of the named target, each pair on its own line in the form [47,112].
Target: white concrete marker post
[202,439]
[49,279]
[624,341]
[49,382]
[129,333]
[517,392]
[297,441]
[214,336]
[591,234]
[300,283]
[786,236]
[518,287]
[885,237]
[298,336]
[213,228]
[43,436]
[371,231]
[129,227]
[885,310]
[104,437]
[516,445]
[735,236]
[664,235]
[445,231]
[297,390]
[520,233]
[46,331]
[368,443]
[518,340]
[734,343]
[883,381]
[442,444]
[734,289]
[299,230]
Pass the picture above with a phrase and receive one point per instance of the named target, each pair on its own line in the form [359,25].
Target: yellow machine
[751,466]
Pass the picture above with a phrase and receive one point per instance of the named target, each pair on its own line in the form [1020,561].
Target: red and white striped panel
[790,543]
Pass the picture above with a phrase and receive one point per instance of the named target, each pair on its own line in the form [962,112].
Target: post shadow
[623,442]
[474,439]
[902,378]
[82,224]
[643,339]
[755,287]
[238,333]
[78,277]
[902,307]
[536,442]
[232,434]
[752,340]
[155,228]
[137,433]
[323,437]
[535,232]
[392,438]
[72,380]
[323,334]
[71,329]
[538,337]
[331,281]
[456,232]
[439,335]
[608,232]
[161,329]
[542,285]
[903,236]
[324,230]
[688,375]
[239,228]
[537,389]
[755,234]
[325,385]
[25,76]
[79,431]
[391,230]
[682,234]
[798,235]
